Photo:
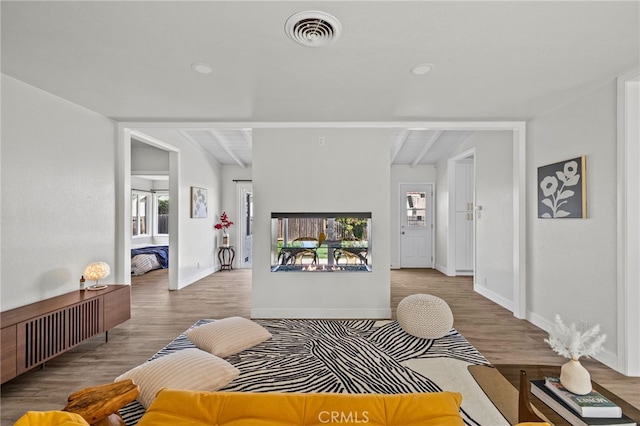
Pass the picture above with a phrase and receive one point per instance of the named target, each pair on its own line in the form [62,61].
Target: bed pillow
[143,263]
[187,369]
[228,336]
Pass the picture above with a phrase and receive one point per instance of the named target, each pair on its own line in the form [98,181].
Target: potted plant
[573,344]
[224,224]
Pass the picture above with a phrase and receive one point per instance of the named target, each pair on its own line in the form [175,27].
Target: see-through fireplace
[321,242]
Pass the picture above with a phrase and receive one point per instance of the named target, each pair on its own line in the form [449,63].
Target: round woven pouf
[425,316]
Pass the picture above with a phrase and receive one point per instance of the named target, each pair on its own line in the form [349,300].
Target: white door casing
[123,233]
[628,250]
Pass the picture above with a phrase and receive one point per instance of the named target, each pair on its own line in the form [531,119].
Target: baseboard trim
[494,297]
[606,357]
[442,269]
[196,277]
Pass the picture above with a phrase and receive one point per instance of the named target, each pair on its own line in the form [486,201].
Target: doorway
[245,230]
[416,225]
[124,232]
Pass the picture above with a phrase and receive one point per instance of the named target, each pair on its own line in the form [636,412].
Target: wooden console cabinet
[35,333]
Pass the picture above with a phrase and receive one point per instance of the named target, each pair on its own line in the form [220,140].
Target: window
[139,213]
[149,213]
[162,213]
[416,209]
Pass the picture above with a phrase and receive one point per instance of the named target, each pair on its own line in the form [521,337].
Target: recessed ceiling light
[422,69]
[201,68]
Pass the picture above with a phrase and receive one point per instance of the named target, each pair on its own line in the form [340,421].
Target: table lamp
[96,271]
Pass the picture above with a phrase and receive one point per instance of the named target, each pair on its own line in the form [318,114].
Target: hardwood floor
[159,315]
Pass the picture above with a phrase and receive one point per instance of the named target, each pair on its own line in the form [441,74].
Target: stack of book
[592,409]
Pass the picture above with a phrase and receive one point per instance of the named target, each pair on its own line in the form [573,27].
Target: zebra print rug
[351,356]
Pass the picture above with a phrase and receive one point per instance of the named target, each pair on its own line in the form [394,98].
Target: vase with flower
[573,344]
[224,224]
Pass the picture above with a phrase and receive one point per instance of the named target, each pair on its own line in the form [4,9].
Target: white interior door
[416,225]
[464,206]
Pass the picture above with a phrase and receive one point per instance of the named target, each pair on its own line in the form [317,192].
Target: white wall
[404,174]
[149,161]
[58,193]
[141,183]
[571,263]
[293,173]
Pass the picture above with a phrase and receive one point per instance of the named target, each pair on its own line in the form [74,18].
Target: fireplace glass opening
[321,242]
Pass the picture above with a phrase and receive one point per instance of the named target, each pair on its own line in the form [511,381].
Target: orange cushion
[50,418]
[192,408]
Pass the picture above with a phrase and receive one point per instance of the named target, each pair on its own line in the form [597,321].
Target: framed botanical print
[562,189]
[198,202]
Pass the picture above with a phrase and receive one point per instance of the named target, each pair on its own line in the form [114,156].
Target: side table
[500,384]
[226,255]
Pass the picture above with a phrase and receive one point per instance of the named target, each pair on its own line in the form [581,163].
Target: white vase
[225,239]
[575,378]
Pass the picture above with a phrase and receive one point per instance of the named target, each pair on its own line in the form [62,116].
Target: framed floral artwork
[562,189]
[198,202]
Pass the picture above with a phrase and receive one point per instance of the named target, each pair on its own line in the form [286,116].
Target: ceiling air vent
[313,28]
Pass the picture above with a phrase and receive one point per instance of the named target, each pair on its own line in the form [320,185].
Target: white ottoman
[425,316]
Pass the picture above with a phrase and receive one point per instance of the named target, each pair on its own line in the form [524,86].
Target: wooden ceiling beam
[427,146]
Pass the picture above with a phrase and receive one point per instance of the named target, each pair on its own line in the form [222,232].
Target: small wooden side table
[500,383]
[226,255]
[99,405]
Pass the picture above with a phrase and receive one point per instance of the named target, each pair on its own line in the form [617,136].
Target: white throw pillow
[187,369]
[153,259]
[228,336]
[143,263]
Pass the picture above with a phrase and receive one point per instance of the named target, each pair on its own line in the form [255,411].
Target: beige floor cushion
[425,316]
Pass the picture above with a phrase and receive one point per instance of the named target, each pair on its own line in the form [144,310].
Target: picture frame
[199,203]
[562,189]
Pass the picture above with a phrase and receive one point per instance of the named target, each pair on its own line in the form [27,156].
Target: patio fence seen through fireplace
[321,242]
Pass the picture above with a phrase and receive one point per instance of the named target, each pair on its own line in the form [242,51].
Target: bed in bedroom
[149,258]
[348,356]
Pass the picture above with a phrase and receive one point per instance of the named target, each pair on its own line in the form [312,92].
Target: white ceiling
[498,61]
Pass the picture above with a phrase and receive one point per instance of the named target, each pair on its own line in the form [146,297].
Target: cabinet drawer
[117,307]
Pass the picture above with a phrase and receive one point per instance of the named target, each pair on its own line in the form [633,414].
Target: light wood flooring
[159,315]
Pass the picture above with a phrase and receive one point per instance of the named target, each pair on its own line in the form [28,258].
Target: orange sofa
[193,408]
[186,408]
